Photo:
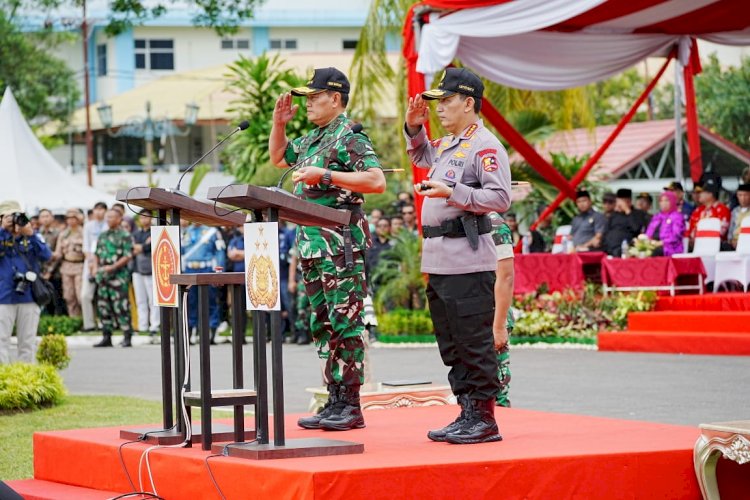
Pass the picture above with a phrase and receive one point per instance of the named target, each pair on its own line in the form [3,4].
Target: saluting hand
[283,112]
[417,113]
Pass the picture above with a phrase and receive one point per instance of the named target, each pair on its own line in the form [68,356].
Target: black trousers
[462,309]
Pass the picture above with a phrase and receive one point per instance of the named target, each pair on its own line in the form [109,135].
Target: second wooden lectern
[272,205]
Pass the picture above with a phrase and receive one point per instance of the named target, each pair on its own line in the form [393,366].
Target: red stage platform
[688,324]
[543,455]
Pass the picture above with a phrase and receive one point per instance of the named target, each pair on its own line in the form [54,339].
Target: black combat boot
[313,422]
[480,427]
[439,434]
[347,413]
[127,335]
[106,340]
[213,336]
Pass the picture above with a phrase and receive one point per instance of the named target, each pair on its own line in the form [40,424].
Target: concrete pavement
[664,388]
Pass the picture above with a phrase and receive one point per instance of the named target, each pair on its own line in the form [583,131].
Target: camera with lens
[20,219]
[22,284]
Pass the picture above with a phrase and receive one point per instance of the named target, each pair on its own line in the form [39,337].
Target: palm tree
[258,83]
[398,272]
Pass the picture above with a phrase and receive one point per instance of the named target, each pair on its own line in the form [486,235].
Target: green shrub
[62,325]
[24,386]
[53,350]
[405,322]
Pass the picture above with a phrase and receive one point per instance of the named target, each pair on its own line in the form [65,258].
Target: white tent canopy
[28,172]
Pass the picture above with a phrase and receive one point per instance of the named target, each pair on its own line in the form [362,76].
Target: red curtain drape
[691,113]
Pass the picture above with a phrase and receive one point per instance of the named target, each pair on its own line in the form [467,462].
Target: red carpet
[706,302]
[687,324]
[543,456]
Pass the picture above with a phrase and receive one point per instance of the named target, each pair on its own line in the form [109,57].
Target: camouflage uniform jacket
[111,246]
[352,154]
[503,238]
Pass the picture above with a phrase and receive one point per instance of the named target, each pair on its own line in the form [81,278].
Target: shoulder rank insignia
[446,144]
[470,131]
[465,145]
[359,148]
[489,163]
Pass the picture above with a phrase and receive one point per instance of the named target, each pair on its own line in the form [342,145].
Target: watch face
[326,181]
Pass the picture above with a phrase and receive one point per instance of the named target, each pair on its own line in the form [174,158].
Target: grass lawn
[75,412]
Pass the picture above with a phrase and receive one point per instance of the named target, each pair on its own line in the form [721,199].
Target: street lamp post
[148,128]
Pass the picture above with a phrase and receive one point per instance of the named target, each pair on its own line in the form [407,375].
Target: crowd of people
[99,264]
[671,225]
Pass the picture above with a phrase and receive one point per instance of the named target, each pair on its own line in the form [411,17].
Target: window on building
[235,43]
[101,60]
[286,44]
[349,44]
[154,54]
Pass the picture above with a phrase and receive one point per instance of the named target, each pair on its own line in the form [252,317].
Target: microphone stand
[242,126]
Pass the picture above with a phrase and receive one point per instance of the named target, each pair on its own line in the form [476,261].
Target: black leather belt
[454,228]
[354,208]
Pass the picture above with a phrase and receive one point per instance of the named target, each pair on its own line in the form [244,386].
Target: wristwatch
[327,178]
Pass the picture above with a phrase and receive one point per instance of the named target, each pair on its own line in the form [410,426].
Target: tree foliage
[224,16]
[258,83]
[43,85]
[401,283]
[612,98]
[723,99]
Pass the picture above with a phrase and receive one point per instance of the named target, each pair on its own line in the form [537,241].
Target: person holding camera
[21,255]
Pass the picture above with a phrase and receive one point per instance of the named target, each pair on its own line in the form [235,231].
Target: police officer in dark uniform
[469,176]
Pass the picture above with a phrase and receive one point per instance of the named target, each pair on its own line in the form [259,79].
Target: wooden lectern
[171,208]
[278,204]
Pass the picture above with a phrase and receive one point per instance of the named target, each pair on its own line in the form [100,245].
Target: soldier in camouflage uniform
[503,324]
[336,166]
[114,249]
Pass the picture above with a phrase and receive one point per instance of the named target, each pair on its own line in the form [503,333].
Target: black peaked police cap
[456,81]
[324,79]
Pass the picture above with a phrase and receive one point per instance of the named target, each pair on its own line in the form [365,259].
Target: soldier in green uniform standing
[336,167]
[504,322]
[114,249]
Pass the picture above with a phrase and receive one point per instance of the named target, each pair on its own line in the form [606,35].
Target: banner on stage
[165,261]
[262,266]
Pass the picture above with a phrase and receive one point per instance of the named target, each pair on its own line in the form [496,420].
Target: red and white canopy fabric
[558,44]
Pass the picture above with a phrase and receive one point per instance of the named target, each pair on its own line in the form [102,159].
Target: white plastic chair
[558,245]
[735,266]
[707,245]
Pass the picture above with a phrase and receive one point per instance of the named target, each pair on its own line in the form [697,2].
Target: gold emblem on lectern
[166,265]
[260,278]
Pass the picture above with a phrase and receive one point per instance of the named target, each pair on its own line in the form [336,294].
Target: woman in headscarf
[668,226]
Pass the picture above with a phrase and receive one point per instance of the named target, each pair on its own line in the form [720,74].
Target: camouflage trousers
[112,305]
[336,324]
[302,312]
[503,374]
